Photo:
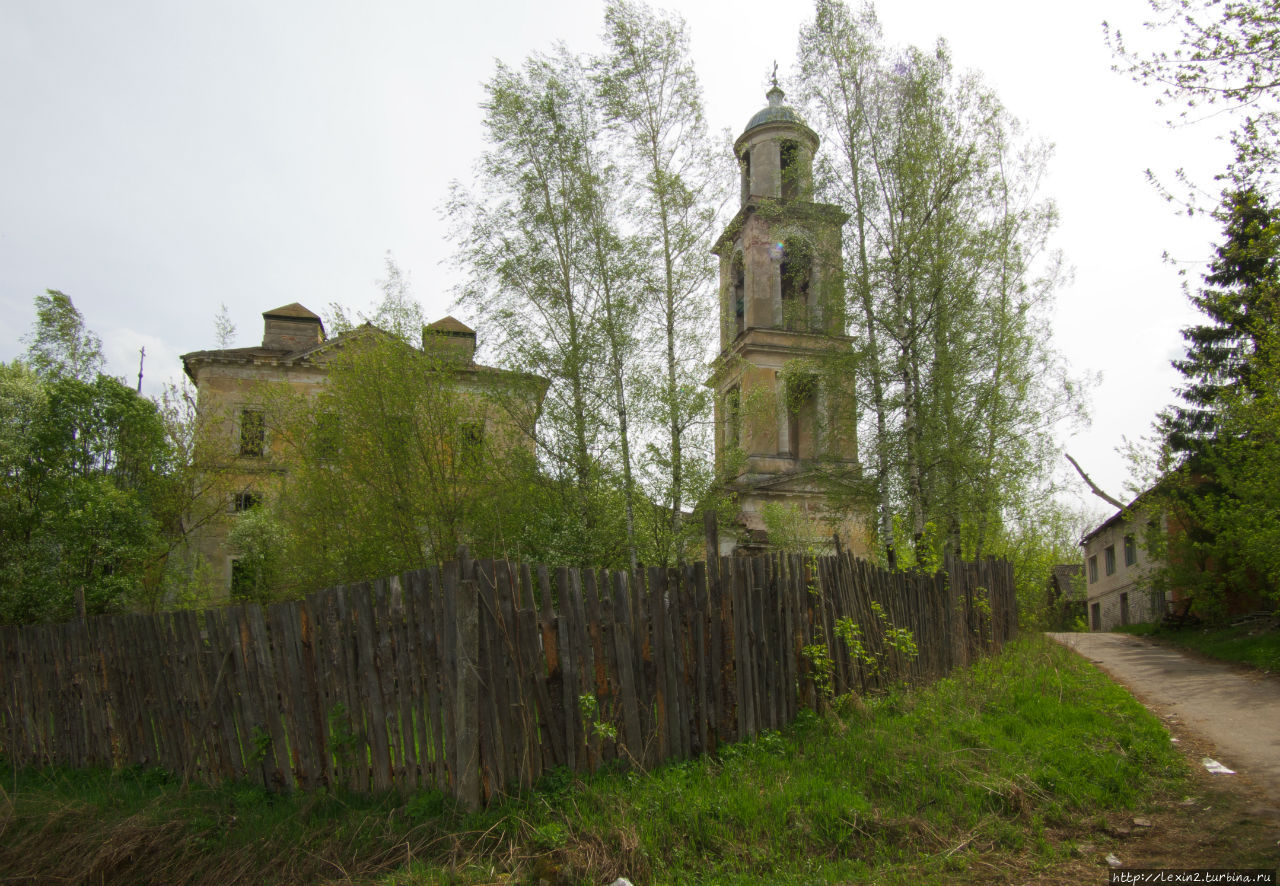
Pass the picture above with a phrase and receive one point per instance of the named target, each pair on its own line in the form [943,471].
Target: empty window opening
[253,433]
[1093,569]
[327,436]
[739,295]
[1124,609]
[245,501]
[1130,551]
[797,266]
[470,442]
[789,165]
[1110,555]
[733,418]
[801,391]
[746,176]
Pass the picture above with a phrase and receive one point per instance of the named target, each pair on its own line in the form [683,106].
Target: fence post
[467,720]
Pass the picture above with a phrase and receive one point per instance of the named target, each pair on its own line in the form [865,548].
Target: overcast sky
[159,159]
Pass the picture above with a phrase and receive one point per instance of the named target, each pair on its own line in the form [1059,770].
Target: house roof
[1061,578]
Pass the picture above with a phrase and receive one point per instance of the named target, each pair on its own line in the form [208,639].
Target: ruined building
[245,459]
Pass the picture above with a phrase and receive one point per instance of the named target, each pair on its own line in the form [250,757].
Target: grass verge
[1255,642]
[1002,764]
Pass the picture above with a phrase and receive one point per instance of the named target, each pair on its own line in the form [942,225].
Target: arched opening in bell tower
[797,271]
[738,294]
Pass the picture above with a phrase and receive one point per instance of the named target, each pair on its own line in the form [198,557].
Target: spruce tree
[1239,304]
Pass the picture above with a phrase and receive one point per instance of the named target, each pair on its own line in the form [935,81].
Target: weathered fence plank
[474,678]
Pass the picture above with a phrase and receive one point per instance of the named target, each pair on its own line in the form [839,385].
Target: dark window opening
[1110,555]
[1093,569]
[470,442]
[1124,609]
[733,418]
[1095,612]
[797,265]
[253,433]
[801,392]
[327,436]
[1130,551]
[245,501]
[789,164]
[746,176]
[739,295]
[244,581]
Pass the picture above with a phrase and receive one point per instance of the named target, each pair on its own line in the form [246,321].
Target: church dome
[776,112]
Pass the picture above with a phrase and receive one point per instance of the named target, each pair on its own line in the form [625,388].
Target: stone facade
[246,460]
[782,318]
[1116,566]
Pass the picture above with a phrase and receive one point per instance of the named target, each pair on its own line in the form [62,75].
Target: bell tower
[779,417]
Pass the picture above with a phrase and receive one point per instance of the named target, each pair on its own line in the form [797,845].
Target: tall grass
[1002,758]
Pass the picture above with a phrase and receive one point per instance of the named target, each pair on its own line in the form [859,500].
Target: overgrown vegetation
[1013,758]
[1255,642]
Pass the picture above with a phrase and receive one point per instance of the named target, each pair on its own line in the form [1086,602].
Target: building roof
[776,112]
[451,325]
[292,310]
[1061,580]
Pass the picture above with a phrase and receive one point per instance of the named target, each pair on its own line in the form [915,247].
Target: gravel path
[1236,711]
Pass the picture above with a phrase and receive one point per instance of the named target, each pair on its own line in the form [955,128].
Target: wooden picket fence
[477,677]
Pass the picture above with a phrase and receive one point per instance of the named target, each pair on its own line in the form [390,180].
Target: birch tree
[652,99]
[949,282]
[545,273]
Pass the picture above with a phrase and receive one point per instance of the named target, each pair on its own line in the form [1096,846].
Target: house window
[245,501]
[1130,551]
[1093,569]
[1110,554]
[470,442]
[242,580]
[253,433]
[326,436]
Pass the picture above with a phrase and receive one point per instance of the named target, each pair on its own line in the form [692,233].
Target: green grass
[1255,643]
[1000,761]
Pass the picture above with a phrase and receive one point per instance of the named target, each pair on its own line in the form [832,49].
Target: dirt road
[1236,711]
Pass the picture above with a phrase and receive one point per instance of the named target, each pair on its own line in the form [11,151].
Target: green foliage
[949,281]
[1253,642]
[60,344]
[83,475]
[1218,503]
[1224,62]
[1017,751]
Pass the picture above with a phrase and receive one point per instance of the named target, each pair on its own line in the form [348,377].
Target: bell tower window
[746,175]
[797,265]
[739,296]
[789,167]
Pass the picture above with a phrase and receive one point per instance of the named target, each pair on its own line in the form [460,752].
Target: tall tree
[1239,301]
[532,240]
[60,343]
[652,98]
[949,284]
[1227,59]
[1221,443]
